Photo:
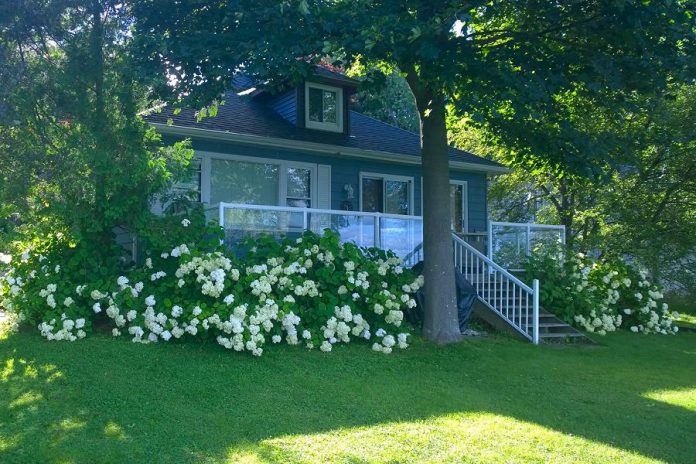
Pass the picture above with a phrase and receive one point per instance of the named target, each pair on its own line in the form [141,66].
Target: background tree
[76,158]
[640,204]
[497,62]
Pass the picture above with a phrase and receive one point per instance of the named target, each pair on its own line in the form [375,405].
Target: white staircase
[510,299]
[503,293]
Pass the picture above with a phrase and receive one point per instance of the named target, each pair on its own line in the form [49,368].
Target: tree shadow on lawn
[103,400]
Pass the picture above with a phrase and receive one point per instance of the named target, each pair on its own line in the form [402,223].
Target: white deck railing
[502,292]
[401,234]
[510,243]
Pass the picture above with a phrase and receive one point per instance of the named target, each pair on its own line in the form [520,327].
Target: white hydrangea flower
[185,222]
[325,346]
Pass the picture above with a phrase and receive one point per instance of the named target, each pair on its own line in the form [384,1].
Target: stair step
[561,334]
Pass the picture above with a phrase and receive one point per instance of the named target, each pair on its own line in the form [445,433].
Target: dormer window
[323,107]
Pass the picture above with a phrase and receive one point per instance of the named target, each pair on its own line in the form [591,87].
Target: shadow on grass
[104,400]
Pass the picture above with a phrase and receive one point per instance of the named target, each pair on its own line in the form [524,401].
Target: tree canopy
[502,64]
[77,158]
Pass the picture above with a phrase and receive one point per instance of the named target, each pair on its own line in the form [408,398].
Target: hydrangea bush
[311,291]
[600,296]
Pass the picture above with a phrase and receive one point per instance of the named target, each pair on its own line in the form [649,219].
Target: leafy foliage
[312,290]
[599,295]
[83,162]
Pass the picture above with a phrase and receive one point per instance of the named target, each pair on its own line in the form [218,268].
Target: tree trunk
[441,322]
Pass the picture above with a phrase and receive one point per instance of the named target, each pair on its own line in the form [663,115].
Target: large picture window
[244,182]
[262,182]
[386,194]
[323,107]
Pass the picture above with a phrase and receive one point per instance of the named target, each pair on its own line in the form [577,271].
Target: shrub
[599,295]
[312,290]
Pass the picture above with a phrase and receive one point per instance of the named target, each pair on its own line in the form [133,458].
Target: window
[233,181]
[323,107]
[262,182]
[386,194]
[458,207]
[299,187]
[190,186]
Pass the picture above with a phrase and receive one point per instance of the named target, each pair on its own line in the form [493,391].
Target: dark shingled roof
[244,115]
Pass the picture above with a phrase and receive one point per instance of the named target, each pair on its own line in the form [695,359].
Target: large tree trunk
[441,320]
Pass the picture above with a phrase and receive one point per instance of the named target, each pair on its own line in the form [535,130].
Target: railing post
[221,221]
[377,238]
[304,219]
[490,239]
[535,315]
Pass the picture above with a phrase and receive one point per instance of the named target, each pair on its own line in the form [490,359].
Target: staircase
[509,303]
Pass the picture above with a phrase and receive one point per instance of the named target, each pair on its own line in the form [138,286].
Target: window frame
[465,203]
[281,194]
[384,178]
[325,126]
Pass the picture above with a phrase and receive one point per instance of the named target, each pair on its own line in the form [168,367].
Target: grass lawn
[687,320]
[494,400]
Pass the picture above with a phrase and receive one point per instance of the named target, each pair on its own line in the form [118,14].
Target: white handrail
[498,289]
[293,209]
[492,264]
[525,224]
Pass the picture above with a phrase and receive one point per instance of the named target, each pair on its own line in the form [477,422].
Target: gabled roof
[246,116]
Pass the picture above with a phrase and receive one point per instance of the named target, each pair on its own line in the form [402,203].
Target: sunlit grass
[493,400]
[455,438]
[686,397]
[687,320]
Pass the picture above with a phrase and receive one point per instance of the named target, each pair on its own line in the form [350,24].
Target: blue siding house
[266,155]
[302,159]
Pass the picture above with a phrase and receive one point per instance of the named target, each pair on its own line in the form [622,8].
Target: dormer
[321,103]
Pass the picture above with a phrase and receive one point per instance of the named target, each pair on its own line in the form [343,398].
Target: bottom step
[560,334]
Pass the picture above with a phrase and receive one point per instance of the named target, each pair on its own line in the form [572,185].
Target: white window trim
[385,177]
[327,126]
[282,194]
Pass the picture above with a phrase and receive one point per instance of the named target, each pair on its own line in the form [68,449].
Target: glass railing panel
[353,228]
[404,236]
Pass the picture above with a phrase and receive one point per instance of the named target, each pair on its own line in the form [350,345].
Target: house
[302,159]
[305,147]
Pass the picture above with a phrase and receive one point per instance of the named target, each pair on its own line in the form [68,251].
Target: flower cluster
[601,296]
[311,291]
